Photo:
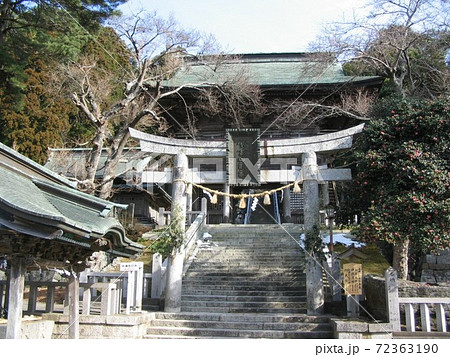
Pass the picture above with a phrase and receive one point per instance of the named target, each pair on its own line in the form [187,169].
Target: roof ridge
[40,170]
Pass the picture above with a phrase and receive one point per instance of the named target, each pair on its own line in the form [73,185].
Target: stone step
[233,253]
[262,283]
[231,289]
[251,246]
[243,304]
[229,325]
[226,275]
[243,273]
[243,259]
[239,281]
[255,245]
[267,318]
[178,332]
[271,239]
[228,309]
[245,268]
[249,277]
[246,292]
[274,251]
[254,264]
[263,236]
[229,253]
[261,241]
[243,298]
[236,284]
[241,269]
[254,228]
[250,283]
[209,268]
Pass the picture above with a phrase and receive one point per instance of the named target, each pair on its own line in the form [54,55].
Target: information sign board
[352,278]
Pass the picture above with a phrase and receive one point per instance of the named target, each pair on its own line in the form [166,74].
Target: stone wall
[132,326]
[31,329]
[374,289]
[352,329]
[436,268]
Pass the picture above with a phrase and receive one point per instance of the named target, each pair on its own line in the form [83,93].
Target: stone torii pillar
[176,259]
[314,283]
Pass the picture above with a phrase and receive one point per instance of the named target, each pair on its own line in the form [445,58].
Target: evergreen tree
[42,121]
[31,31]
[403,176]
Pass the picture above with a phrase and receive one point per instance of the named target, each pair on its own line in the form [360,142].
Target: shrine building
[237,164]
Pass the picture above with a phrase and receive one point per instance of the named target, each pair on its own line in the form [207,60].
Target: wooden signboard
[352,278]
[243,164]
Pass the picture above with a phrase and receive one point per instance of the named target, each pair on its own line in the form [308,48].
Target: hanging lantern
[214,199]
[297,188]
[267,199]
[242,203]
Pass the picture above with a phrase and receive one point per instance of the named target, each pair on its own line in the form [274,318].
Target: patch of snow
[338,238]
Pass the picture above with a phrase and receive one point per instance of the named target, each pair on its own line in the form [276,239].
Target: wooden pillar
[226,204]
[176,259]
[15,298]
[314,281]
[74,306]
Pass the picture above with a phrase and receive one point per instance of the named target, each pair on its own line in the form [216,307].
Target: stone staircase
[248,282]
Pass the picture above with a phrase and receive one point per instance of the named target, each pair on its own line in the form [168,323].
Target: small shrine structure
[46,222]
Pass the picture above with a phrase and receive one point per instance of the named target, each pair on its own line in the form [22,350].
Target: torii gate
[279,151]
[309,173]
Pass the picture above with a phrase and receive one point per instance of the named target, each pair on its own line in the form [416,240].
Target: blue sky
[253,26]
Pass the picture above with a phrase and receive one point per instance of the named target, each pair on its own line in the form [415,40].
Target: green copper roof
[265,70]
[40,207]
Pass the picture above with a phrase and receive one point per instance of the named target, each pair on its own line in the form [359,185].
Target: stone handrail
[164,216]
[110,296]
[393,302]
[105,277]
[193,234]
[424,306]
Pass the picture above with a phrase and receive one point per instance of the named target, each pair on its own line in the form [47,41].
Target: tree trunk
[400,261]
[105,191]
[109,174]
[96,153]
